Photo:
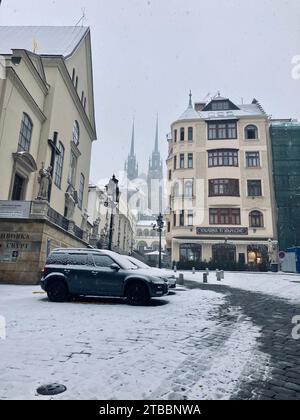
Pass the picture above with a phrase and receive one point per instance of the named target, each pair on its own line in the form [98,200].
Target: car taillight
[45,271]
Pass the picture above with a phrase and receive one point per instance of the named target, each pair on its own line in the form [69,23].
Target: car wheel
[57,291]
[137,294]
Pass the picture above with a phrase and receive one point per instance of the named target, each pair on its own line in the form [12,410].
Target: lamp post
[159,227]
[113,194]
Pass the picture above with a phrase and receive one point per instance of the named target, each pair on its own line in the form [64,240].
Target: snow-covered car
[90,272]
[165,274]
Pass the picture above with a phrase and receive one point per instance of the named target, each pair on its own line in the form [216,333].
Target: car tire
[137,294]
[57,291]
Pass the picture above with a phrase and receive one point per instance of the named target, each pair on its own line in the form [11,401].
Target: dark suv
[82,272]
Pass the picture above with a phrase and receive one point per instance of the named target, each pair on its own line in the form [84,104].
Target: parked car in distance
[91,272]
[157,271]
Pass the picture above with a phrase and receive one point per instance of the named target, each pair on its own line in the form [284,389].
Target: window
[169,227]
[76,133]
[77,259]
[181,218]
[190,218]
[181,162]
[220,106]
[177,191]
[190,253]
[256,219]
[190,134]
[58,258]
[72,169]
[170,175]
[25,134]
[76,83]
[223,157]
[251,132]
[224,187]
[81,191]
[174,219]
[73,76]
[175,136]
[224,216]
[222,130]
[175,163]
[190,161]
[82,96]
[84,103]
[103,261]
[254,188]
[182,134]
[59,165]
[188,189]
[18,192]
[252,159]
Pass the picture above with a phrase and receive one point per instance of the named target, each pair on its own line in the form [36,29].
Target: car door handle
[94,273]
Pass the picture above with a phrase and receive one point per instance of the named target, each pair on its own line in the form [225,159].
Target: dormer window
[220,106]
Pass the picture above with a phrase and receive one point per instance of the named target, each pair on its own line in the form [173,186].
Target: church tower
[131,166]
[155,179]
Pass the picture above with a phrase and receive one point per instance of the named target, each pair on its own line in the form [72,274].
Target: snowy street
[216,341]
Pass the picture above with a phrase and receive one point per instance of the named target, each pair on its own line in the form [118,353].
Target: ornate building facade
[221,200]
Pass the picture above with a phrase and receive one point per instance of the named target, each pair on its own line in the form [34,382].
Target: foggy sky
[148,54]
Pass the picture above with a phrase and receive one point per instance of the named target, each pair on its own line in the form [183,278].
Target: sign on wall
[222,231]
[14,209]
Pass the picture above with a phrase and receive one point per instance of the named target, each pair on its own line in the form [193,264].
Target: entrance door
[18,188]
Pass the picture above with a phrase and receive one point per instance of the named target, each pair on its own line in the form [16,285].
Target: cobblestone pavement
[279,377]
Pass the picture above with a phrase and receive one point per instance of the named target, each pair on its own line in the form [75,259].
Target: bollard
[218,274]
[207,271]
[181,279]
[222,274]
[194,270]
[205,277]
[175,269]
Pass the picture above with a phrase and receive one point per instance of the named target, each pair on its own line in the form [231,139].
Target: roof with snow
[48,40]
[232,112]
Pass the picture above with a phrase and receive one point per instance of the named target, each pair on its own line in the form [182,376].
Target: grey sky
[148,53]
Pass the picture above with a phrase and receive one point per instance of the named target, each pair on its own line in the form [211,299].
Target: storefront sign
[14,209]
[222,231]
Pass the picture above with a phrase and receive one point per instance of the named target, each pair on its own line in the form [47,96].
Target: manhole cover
[51,389]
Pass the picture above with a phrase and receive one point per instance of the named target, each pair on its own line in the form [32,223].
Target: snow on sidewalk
[107,350]
[286,286]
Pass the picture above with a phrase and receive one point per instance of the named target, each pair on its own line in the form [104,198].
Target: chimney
[199,106]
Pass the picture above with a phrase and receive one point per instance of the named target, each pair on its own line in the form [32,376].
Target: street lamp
[113,194]
[159,228]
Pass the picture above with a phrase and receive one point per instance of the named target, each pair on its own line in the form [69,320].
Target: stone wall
[24,245]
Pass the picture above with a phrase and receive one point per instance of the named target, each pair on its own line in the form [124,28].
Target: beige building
[124,221]
[47,127]
[221,205]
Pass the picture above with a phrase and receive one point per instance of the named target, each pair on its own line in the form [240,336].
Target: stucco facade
[220,186]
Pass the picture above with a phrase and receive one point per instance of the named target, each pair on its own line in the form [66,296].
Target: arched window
[25,134]
[188,189]
[140,232]
[190,134]
[146,232]
[76,133]
[251,132]
[256,219]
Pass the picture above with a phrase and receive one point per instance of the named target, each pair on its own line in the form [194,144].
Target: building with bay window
[220,191]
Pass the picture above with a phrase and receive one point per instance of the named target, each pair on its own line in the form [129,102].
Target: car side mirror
[115,267]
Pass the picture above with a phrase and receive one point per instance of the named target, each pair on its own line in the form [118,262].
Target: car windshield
[124,262]
[138,263]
